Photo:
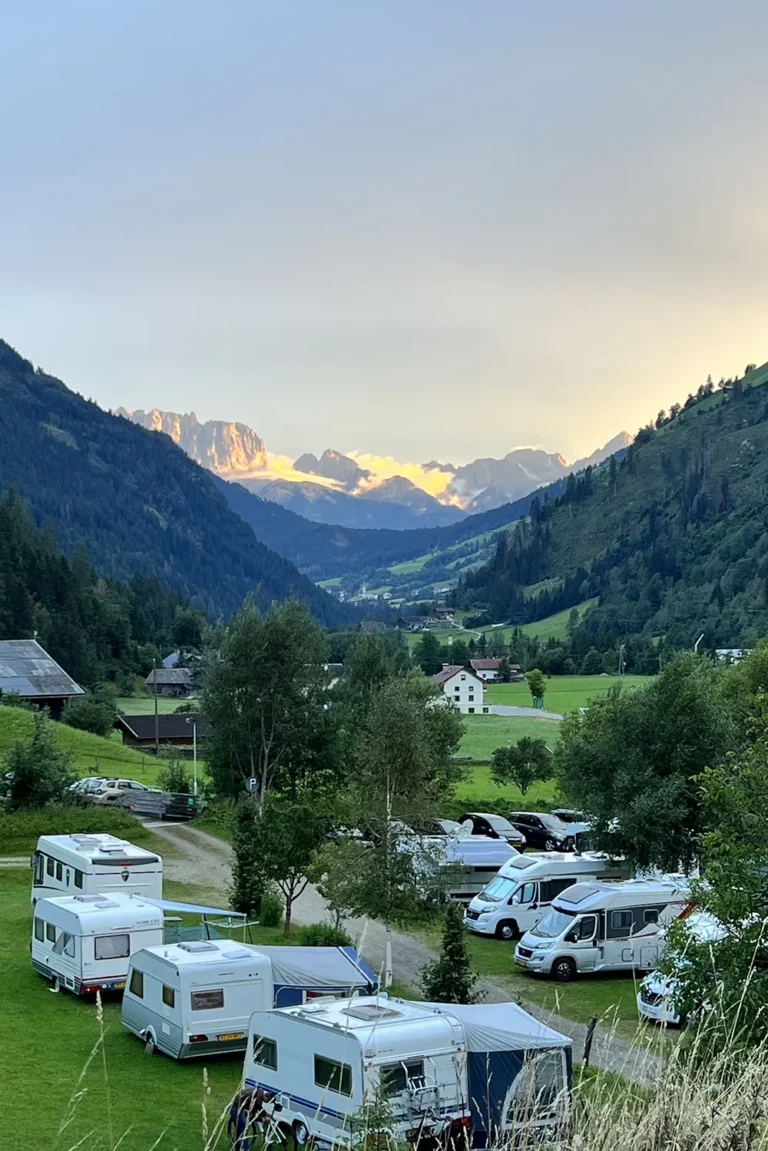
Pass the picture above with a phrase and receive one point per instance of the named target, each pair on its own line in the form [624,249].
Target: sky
[428,231]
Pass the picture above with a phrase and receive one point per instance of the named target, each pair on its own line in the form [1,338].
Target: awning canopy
[501,1027]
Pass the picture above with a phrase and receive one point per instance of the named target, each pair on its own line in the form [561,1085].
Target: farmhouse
[170,681]
[28,671]
[442,614]
[463,687]
[489,670]
[177,731]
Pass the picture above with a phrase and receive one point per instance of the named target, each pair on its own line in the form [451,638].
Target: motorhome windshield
[498,889]
[554,924]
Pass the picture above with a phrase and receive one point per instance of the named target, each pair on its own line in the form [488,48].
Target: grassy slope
[145,705]
[564,693]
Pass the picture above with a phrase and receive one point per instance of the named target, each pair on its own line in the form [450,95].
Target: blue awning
[194,908]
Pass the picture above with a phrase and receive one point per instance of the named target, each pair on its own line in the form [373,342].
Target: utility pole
[157,721]
[193,721]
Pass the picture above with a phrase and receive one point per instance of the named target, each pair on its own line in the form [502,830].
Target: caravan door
[539,1096]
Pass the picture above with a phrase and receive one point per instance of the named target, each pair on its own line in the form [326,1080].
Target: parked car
[85,788]
[546,832]
[437,827]
[118,791]
[568,815]
[656,997]
[494,826]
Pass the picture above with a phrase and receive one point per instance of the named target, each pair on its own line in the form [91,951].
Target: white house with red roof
[463,688]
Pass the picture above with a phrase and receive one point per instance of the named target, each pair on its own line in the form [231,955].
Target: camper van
[445,1071]
[191,999]
[598,926]
[522,891]
[83,943]
[94,865]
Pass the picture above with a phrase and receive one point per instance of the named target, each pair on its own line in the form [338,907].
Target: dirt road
[200,859]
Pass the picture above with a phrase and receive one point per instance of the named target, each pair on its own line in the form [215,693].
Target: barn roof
[168,726]
[180,675]
[27,670]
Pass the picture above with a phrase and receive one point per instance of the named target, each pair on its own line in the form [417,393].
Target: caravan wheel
[300,1133]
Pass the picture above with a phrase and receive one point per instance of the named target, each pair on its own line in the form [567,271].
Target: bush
[271,912]
[324,935]
[37,772]
[174,776]
[94,712]
[19,832]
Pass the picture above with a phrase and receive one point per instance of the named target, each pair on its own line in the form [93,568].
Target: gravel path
[535,712]
[201,859]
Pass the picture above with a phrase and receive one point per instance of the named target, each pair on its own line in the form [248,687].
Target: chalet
[463,688]
[442,614]
[170,681]
[177,731]
[28,671]
[487,669]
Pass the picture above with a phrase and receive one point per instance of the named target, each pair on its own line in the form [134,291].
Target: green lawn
[478,791]
[52,1065]
[564,692]
[145,704]
[484,733]
[552,627]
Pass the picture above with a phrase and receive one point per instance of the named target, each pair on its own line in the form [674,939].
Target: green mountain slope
[139,503]
[673,540]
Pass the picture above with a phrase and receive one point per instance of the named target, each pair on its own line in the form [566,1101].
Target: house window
[50,933]
[136,986]
[265,1052]
[394,1076]
[78,878]
[50,865]
[112,946]
[169,996]
[471,710]
[335,1076]
[207,1000]
[39,929]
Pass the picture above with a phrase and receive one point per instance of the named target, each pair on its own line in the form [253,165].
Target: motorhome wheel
[563,970]
[507,929]
[300,1133]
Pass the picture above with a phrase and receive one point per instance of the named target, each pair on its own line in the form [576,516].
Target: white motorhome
[460,865]
[94,865]
[83,943]
[521,893]
[192,999]
[464,1072]
[656,997]
[598,926]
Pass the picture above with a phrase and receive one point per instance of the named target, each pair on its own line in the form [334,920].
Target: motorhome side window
[39,929]
[551,888]
[335,1076]
[621,923]
[265,1052]
[50,865]
[651,915]
[59,872]
[78,878]
[136,986]
[207,1000]
[585,928]
[111,946]
[394,1076]
[39,868]
[169,996]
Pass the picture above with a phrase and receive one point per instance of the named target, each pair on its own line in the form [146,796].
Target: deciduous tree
[521,763]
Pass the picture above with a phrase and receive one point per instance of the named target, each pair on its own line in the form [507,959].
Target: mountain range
[363,491]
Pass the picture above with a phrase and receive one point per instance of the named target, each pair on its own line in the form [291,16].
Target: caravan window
[50,933]
[65,945]
[39,867]
[78,878]
[136,986]
[207,1000]
[265,1052]
[169,996]
[538,1091]
[335,1076]
[50,865]
[59,872]
[39,929]
[394,1076]
[552,888]
[112,946]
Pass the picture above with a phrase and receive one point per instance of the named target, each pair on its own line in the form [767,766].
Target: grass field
[564,692]
[484,733]
[145,705]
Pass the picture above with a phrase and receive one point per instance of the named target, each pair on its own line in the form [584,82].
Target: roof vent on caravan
[94,899]
[197,946]
[372,1012]
[239,954]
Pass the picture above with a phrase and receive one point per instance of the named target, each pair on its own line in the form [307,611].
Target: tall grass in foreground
[704,1099]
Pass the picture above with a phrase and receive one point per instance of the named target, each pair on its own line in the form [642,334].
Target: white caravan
[83,943]
[603,927]
[522,891]
[192,999]
[449,1074]
[93,865]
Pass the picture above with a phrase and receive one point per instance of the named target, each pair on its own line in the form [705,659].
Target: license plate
[521,962]
[230,1035]
[119,986]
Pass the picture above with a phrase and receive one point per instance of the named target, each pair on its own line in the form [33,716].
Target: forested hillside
[136,500]
[673,538]
[98,630]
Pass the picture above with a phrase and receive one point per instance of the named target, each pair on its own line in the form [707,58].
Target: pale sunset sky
[426,230]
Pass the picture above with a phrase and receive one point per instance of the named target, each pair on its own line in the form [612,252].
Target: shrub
[94,712]
[324,935]
[174,776]
[271,913]
[37,771]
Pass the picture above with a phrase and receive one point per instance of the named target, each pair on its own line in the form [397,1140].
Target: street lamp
[193,720]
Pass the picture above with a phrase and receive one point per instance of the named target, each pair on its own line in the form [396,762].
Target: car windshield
[552,823]
[499,824]
[498,889]
[553,924]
